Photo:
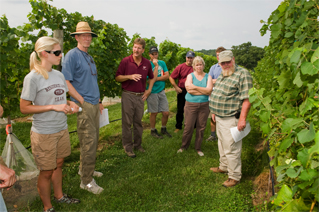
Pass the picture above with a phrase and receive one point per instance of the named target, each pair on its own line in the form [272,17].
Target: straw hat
[81,28]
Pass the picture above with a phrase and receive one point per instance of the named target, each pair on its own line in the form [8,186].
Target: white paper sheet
[239,135]
[104,118]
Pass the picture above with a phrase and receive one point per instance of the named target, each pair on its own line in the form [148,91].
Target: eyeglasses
[85,55]
[56,53]
[224,63]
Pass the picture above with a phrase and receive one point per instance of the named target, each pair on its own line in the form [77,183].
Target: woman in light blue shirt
[199,86]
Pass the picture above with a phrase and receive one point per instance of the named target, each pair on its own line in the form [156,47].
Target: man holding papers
[229,105]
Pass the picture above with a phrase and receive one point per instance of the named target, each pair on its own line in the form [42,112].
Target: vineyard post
[58,34]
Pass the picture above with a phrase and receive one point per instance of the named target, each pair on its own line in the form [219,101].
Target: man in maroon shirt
[132,73]
[180,73]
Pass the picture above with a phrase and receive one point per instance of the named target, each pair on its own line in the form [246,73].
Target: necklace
[90,58]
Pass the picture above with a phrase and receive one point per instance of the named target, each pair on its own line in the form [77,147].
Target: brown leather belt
[136,94]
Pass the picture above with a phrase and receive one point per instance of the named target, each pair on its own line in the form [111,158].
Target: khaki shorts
[47,148]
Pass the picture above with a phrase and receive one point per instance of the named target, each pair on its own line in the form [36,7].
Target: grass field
[157,180]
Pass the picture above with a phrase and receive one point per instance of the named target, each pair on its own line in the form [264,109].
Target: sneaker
[66,199]
[92,187]
[176,130]
[180,151]
[155,134]
[164,132]
[230,183]
[200,153]
[130,154]
[140,149]
[49,210]
[95,174]
[218,170]
[212,138]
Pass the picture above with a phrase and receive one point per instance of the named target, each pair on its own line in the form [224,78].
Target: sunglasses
[56,53]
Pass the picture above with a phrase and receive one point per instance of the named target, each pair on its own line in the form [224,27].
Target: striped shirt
[230,92]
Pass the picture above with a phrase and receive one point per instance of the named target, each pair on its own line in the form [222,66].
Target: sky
[197,24]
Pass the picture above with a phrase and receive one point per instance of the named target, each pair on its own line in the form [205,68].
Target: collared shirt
[215,71]
[180,73]
[129,67]
[230,92]
[79,68]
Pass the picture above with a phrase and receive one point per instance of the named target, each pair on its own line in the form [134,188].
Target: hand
[155,62]
[146,94]
[62,108]
[7,177]
[101,108]
[136,77]
[74,107]
[213,118]
[178,90]
[241,124]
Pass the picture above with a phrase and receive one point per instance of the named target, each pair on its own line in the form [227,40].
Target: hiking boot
[164,132]
[230,183]
[140,149]
[218,170]
[200,153]
[95,174]
[49,210]
[155,134]
[212,138]
[130,154]
[176,130]
[66,199]
[92,187]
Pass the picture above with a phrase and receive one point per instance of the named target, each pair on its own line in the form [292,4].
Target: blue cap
[190,54]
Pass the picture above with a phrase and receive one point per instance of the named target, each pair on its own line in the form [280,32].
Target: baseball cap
[225,56]
[190,54]
[153,49]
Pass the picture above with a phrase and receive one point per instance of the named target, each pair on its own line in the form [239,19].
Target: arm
[26,107]
[177,89]
[74,93]
[243,115]
[196,90]
[151,82]
[164,77]
[7,177]
[123,78]
[1,111]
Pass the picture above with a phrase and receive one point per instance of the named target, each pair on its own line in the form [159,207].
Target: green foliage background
[285,99]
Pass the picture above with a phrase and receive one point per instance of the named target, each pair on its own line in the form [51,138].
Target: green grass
[157,180]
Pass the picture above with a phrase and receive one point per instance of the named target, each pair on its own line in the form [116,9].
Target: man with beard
[214,72]
[180,73]
[229,105]
[132,73]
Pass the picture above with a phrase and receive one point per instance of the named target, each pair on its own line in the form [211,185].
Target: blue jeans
[3,207]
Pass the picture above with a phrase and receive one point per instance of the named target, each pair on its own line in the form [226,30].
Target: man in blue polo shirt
[157,101]
[214,72]
[80,74]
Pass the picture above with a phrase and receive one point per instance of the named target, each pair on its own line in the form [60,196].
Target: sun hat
[225,56]
[83,27]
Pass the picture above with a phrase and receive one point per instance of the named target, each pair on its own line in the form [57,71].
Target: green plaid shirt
[229,92]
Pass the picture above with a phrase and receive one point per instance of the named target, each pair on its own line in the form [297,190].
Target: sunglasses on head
[56,53]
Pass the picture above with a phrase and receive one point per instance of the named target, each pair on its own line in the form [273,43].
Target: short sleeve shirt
[230,92]
[129,67]
[79,68]
[51,91]
[215,71]
[180,73]
[159,85]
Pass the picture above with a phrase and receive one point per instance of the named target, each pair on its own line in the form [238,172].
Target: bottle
[80,109]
